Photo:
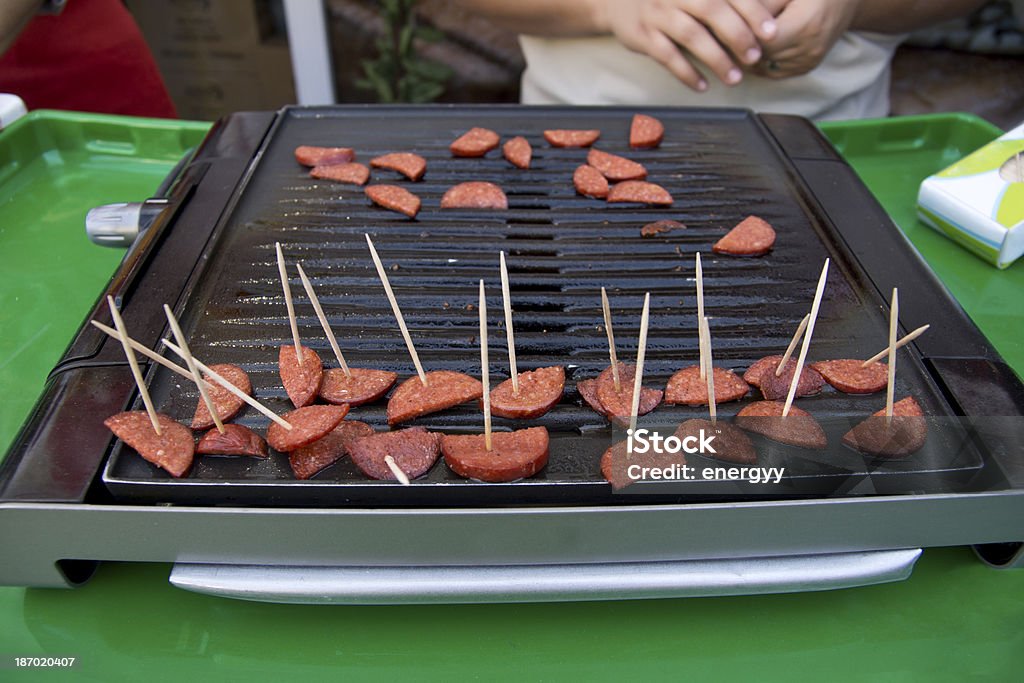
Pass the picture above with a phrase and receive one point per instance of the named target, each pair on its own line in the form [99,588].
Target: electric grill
[71,495]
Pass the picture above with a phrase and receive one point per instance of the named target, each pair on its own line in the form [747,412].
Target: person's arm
[679,34]
[14,14]
[809,28]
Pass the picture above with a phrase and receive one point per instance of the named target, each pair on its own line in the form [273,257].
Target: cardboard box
[978,202]
[219,56]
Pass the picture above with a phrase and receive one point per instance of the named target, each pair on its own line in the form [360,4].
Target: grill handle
[545,583]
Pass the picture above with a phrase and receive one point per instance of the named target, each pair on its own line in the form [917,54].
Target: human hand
[680,34]
[807,30]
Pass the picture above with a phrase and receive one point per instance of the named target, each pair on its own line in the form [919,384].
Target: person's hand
[807,30]
[723,35]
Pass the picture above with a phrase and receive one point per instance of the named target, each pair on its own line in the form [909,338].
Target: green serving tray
[55,166]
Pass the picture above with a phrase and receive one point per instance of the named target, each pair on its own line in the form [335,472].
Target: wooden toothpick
[485,371]
[700,312]
[507,299]
[398,312]
[174,367]
[807,338]
[308,286]
[899,345]
[186,355]
[894,316]
[606,309]
[710,372]
[792,344]
[223,382]
[641,351]
[122,334]
[401,476]
[288,302]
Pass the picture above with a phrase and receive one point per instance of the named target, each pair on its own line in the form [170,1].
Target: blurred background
[232,55]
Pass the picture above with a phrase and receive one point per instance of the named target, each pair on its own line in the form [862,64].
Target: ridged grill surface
[561,249]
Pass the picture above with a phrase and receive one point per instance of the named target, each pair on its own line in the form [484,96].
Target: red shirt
[90,57]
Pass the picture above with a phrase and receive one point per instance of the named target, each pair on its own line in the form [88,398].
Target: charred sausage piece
[615,168]
[309,155]
[587,389]
[414,450]
[774,387]
[899,437]
[412,166]
[302,382]
[317,456]
[753,236]
[226,403]
[474,195]
[756,371]
[308,425]
[686,386]
[799,428]
[518,152]
[444,389]
[353,173]
[730,444]
[513,455]
[618,405]
[236,440]
[171,450]
[475,142]
[539,391]
[394,198]
[849,377]
[589,182]
[571,138]
[645,132]
[659,227]
[640,192]
[364,386]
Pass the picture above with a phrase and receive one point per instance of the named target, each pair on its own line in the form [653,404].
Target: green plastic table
[954,619]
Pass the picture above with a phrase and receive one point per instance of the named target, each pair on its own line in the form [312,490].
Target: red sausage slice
[412,166]
[171,450]
[354,174]
[308,425]
[513,455]
[518,152]
[615,168]
[571,138]
[618,405]
[589,182]
[444,389]
[753,236]
[539,391]
[775,387]
[639,191]
[730,444]
[414,450]
[899,437]
[799,428]
[645,132]
[617,461]
[302,382]
[308,460]
[226,403]
[687,387]
[756,371]
[236,440]
[308,155]
[474,195]
[587,389]
[659,227]
[849,377]
[475,142]
[364,386]
[394,198]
